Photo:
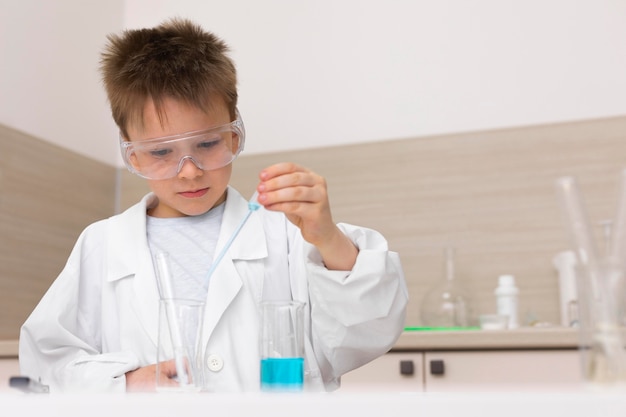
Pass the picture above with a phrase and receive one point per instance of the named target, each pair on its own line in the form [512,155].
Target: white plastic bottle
[565,263]
[507,299]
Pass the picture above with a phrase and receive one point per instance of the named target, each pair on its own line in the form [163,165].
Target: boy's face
[192,191]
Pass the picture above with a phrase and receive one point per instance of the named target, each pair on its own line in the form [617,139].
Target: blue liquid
[282,374]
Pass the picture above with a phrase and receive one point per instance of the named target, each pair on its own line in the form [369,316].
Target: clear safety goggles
[163,158]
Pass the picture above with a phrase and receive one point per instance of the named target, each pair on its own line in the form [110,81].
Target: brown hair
[176,59]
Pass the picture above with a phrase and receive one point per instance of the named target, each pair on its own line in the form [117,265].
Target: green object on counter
[435,329]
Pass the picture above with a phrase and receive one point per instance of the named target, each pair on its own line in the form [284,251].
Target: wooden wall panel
[47,196]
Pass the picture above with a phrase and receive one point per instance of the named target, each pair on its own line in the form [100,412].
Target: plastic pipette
[253,205]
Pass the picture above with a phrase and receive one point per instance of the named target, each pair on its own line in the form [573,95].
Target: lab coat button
[214,362]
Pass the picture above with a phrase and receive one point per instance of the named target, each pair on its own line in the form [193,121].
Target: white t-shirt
[190,242]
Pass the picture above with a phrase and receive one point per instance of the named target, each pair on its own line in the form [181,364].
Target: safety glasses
[163,158]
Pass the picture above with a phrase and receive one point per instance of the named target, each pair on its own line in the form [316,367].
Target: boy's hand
[302,195]
[144,379]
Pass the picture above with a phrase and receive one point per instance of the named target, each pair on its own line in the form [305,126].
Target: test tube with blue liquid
[282,346]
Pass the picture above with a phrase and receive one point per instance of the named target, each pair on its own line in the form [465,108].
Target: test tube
[166,286]
[164,277]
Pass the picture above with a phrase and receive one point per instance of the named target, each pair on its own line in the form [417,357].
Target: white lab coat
[99,318]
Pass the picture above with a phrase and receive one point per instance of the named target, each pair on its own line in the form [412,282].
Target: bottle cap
[506,280]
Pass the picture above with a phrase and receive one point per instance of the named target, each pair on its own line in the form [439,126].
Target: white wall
[320,72]
[49,84]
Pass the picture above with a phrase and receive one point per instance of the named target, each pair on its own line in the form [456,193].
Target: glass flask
[445,304]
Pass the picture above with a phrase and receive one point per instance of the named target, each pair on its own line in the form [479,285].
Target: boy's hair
[176,59]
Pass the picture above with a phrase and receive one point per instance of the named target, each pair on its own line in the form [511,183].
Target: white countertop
[582,404]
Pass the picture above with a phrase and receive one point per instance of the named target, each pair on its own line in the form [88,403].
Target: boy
[172,91]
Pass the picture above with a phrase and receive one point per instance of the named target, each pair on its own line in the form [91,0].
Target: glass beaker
[445,304]
[601,327]
[180,343]
[282,346]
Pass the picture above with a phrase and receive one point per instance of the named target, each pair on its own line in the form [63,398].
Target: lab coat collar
[129,236]
[128,240]
[250,244]
[129,261]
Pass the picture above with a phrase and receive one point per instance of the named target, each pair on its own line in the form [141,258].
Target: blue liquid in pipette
[282,374]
